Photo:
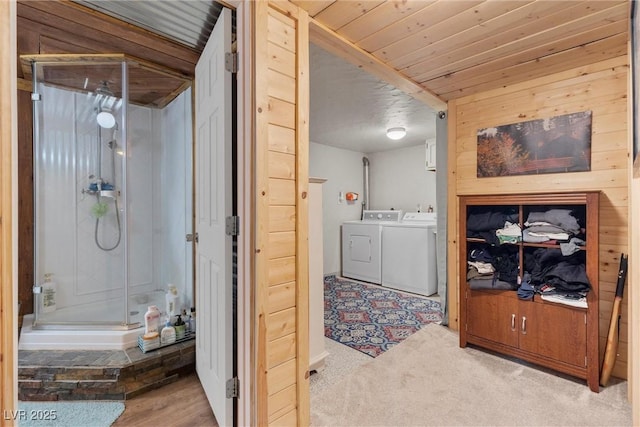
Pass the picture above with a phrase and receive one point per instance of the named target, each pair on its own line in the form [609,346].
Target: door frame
[245,191]
[8,210]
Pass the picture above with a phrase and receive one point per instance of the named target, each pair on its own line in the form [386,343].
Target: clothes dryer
[361,245]
[409,254]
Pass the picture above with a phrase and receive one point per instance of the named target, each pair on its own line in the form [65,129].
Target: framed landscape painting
[551,145]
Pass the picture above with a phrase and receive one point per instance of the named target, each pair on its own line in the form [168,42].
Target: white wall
[398,180]
[343,171]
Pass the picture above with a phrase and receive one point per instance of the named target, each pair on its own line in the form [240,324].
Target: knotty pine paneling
[282,244]
[282,297]
[282,270]
[341,13]
[282,403]
[282,87]
[281,165]
[603,90]
[287,420]
[281,60]
[282,30]
[282,113]
[281,376]
[281,139]
[282,191]
[282,218]
[380,17]
[282,349]
[281,65]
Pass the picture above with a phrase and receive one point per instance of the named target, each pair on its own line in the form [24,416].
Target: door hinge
[192,237]
[233,225]
[233,388]
[231,62]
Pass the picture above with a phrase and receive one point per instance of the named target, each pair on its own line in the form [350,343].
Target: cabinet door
[553,330]
[493,316]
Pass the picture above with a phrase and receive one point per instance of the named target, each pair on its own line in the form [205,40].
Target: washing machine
[362,245]
[409,254]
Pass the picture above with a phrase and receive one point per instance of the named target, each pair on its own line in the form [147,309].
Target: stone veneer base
[46,375]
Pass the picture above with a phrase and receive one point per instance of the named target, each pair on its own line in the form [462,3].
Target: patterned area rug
[370,318]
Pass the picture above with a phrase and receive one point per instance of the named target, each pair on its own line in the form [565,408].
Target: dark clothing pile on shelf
[549,272]
[484,224]
[554,225]
[492,268]
[550,267]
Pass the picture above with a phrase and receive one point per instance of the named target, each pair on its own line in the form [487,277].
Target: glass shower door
[80,214]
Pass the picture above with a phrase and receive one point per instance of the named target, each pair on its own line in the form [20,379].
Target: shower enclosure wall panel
[175,196]
[66,156]
[141,198]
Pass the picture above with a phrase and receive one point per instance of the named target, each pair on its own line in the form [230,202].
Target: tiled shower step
[100,375]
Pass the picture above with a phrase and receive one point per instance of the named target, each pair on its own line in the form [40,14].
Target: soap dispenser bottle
[180,327]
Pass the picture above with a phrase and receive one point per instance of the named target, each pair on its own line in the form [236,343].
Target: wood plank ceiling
[458,48]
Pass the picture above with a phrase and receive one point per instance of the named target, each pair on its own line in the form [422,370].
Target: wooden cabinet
[550,334]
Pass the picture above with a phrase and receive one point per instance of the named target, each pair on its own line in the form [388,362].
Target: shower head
[105,117]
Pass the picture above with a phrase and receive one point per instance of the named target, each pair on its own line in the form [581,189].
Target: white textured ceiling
[351,109]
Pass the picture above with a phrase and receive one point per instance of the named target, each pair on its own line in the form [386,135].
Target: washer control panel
[420,216]
[390,215]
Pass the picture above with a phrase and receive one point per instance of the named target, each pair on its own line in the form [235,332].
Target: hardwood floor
[180,404]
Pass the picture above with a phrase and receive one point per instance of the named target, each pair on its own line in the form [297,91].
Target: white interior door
[214,347]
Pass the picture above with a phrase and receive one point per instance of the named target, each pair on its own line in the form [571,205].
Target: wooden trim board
[8,212]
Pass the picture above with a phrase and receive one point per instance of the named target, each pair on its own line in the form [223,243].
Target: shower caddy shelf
[187,336]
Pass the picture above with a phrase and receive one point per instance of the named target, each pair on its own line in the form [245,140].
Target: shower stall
[112,171]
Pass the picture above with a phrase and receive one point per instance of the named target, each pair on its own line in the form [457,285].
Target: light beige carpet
[429,380]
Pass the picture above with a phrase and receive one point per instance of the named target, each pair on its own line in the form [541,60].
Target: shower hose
[115,198]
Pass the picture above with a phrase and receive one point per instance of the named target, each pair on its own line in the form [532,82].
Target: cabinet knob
[513,322]
[524,325]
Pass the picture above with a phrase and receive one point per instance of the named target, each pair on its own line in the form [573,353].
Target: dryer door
[361,252]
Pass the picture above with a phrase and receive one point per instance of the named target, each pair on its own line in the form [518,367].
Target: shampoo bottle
[168,334]
[192,320]
[172,301]
[48,294]
[151,319]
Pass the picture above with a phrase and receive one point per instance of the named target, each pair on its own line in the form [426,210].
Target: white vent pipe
[365,201]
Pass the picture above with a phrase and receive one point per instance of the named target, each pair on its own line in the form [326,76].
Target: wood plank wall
[8,314]
[282,103]
[600,87]
[632,292]
[65,27]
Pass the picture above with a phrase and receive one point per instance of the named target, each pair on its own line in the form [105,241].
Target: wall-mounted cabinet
[430,162]
[560,336]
